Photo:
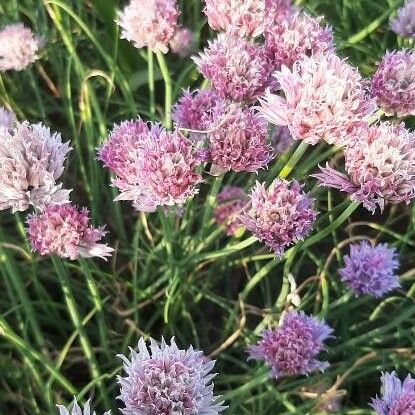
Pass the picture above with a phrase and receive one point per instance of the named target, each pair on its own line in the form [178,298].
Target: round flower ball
[404,22]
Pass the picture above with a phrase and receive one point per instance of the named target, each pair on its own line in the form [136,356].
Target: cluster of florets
[404,23]
[237,68]
[324,99]
[380,167]
[370,269]
[7,119]
[394,83]
[292,348]
[281,139]
[182,42]
[153,167]
[18,47]
[280,215]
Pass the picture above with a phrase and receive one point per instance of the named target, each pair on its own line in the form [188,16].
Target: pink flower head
[281,139]
[277,11]
[7,119]
[296,36]
[292,348]
[65,231]
[229,205]
[244,18]
[31,161]
[238,139]
[18,47]
[380,167]
[149,23]
[394,83]
[280,215]
[238,69]
[167,380]
[182,42]
[404,23]
[153,167]
[77,410]
[398,398]
[324,99]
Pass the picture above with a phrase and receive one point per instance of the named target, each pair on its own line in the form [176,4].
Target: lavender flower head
[238,69]
[288,40]
[292,348]
[404,23]
[398,398]
[152,166]
[244,18]
[229,205]
[149,23]
[324,98]
[182,42]
[65,231]
[31,161]
[77,410]
[280,215]
[238,139]
[394,83]
[380,167]
[7,119]
[370,269]
[281,139]
[167,380]
[18,47]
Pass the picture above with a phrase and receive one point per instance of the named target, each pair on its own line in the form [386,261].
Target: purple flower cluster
[404,23]
[281,139]
[7,119]
[370,269]
[182,42]
[292,348]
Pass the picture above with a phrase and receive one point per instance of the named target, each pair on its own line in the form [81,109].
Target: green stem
[294,159]
[77,322]
[210,203]
[167,86]
[151,88]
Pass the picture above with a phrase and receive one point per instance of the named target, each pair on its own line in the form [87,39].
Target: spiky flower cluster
[237,68]
[182,42]
[380,167]
[404,23]
[281,139]
[394,83]
[292,348]
[18,47]
[167,380]
[65,231]
[398,398]
[280,215]
[239,17]
[7,119]
[149,23]
[77,410]
[31,161]
[229,205]
[324,98]
[238,139]
[299,35]
[153,167]
[370,269]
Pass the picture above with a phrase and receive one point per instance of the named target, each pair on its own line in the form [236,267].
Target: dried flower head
[18,47]
[31,161]
[280,215]
[167,380]
[380,167]
[7,119]
[281,139]
[292,348]
[370,269]
[77,410]
[404,23]
[324,99]
[65,231]
[182,42]
[153,167]
[238,69]
[244,18]
[238,139]
[394,83]
[289,39]
[398,398]
[149,23]
[229,205]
